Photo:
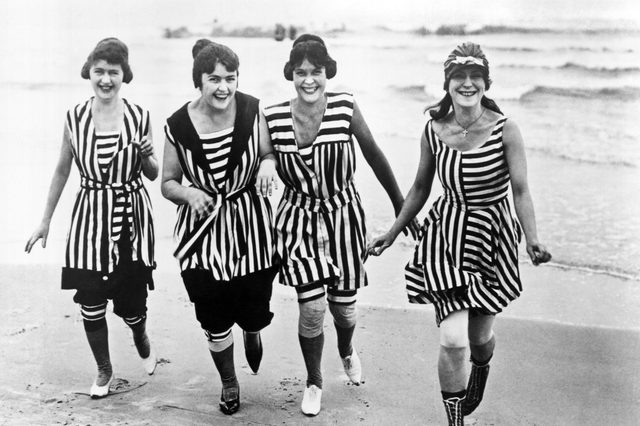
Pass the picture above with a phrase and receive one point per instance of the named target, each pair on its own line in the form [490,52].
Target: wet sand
[553,366]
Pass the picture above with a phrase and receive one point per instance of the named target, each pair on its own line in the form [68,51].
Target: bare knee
[453,330]
[481,329]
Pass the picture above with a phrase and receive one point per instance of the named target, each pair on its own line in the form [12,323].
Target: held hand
[538,253]
[145,148]
[380,244]
[266,180]
[42,231]
[201,204]
[413,229]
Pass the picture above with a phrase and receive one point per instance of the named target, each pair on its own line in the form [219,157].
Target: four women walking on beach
[466,262]
[220,144]
[110,244]
[229,252]
[320,222]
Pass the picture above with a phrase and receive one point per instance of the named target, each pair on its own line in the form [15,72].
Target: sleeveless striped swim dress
[320,222]
[238,239]
[111,196]
[467,257]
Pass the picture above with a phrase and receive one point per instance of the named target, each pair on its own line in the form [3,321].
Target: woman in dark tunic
[220,144]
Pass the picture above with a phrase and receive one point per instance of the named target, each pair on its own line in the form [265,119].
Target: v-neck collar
[322,121]
[120,144]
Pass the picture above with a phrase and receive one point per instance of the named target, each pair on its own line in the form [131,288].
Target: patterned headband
[466,60]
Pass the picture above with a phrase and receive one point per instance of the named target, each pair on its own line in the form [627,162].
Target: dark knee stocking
[140,338]
[99,343]
[225,366]
[312,354]
[345,336]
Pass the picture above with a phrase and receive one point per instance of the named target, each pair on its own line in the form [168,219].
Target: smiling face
[310,82]
[467,86]
[106,79]
[219,87]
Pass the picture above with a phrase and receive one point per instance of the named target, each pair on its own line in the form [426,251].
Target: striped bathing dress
[467,257]
[237,238]
[111,205]
[320,222]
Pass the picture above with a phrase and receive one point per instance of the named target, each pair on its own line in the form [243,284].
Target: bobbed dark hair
[207,54]
[312,48]
[112,50]
[440,109]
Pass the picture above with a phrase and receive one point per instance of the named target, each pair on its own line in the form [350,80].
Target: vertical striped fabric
[106,145]
[217,147]
[107,197]
[240,240]
[320,223]
[468,255]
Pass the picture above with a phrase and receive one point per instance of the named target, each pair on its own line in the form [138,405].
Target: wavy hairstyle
[440,109]
[312,48]
[114,52]
[207,54]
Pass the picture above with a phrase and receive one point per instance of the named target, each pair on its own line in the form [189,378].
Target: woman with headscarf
[220,144]
[466,263]
[110,245]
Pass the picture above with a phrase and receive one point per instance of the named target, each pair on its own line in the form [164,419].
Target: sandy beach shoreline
[548,370]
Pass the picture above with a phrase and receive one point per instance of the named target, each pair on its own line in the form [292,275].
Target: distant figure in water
[110,246]
[280,32]
[466,262]
[293,31]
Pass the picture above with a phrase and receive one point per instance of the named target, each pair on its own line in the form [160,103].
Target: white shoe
[352,367]
[311,400]
[100,391]
[149,363]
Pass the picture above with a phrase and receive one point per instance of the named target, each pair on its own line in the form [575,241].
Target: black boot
[453,408]
[253,349]
[478,376]
[475,388]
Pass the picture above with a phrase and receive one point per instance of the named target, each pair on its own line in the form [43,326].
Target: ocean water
[571,82]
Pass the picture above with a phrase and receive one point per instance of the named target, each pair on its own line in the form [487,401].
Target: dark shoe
[232,403]
[475,388]
[453,407]
[253,350]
